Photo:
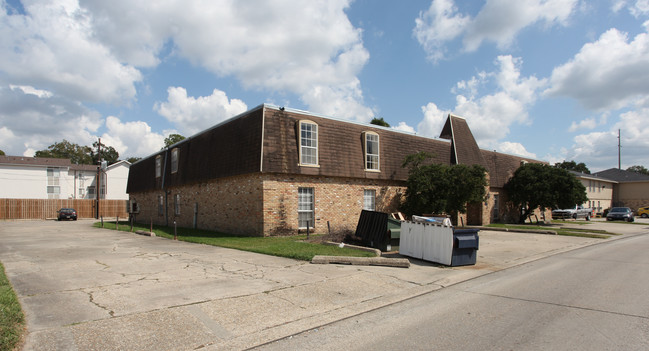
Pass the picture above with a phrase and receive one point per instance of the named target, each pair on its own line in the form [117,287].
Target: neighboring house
[272,171]
[56,178]
[598,189]
[630,189]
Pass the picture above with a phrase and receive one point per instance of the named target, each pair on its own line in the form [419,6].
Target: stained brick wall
[266,204]
[337,200]
[231,205]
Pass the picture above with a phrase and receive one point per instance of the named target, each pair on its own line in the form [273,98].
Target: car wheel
[588,217]
[644,215]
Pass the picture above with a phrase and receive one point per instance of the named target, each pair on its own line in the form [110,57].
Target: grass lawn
[585,232]
[284,246]
[11,315]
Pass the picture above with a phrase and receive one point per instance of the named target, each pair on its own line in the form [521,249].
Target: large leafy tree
[436,188]
[638,169]
[2,153]
[573,166]
[75,153]
[172,139]
[78,154]
[536,185]
[379,122]
[108,153]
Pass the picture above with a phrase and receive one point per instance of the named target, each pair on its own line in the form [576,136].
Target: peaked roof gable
[464,148]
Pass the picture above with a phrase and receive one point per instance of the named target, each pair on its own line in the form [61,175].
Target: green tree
[573,166]
[536,185]
[638,169]
[172,139]
[133,159]
[2,153]
[437,188]
[75,153]
[108,153]
[379,122]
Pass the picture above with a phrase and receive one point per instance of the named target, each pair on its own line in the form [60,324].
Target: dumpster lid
[467,242]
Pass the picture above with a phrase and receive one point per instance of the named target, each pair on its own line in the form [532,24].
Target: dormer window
[372,152]
[174,160]
[308,143]
[158,166]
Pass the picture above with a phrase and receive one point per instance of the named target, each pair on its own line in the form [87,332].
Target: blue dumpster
[465,247]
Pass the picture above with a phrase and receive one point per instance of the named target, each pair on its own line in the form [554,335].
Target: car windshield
[618,209]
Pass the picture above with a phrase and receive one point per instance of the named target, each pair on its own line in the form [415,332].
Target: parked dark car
[67,213]
[621,213]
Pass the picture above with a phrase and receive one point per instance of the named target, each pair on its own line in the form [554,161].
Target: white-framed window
[161,205]
[174,160]
[369,199]
[308,143]
[371,151]
[305,207]
[53,172]
[53,192]
[158,166]
[177,205]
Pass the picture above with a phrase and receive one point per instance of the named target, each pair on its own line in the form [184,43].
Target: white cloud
[33,121]
[51,47]
[498,21]
[402,126]
[491,115]
[31,90]
[310,49]
[599,149]
[433,121]
[608,74]
[439,24]
[191,115]
[588,123]
[515,148]
[640,8]
[131,138]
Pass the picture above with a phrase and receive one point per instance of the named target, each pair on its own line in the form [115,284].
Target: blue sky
[552,80]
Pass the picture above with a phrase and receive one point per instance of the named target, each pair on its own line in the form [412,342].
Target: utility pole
[98,190]
[619,153]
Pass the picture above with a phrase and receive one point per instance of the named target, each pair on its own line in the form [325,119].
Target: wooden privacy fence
[46,208]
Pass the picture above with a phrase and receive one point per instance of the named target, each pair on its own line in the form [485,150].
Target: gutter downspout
[263,125]
[261,162]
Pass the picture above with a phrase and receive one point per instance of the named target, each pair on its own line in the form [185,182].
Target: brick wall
[229,205]
[337,200]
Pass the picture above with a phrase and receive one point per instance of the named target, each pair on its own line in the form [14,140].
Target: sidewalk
[85,288]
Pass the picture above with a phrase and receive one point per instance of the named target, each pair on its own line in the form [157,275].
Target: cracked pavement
[84,288]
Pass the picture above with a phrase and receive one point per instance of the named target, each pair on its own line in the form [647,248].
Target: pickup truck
[576,212]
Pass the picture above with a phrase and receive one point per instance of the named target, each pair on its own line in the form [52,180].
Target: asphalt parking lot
[86,288]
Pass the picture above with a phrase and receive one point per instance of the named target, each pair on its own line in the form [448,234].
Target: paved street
[593,298]
[86,288]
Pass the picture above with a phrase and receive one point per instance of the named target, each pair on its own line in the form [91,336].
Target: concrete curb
[145,233]
[377,252]
[362,261]
[532,231]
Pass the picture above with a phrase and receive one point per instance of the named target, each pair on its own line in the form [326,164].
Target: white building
[55,178]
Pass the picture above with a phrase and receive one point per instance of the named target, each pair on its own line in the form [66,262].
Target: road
[594,298]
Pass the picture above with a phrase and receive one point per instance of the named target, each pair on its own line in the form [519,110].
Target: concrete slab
[86,288]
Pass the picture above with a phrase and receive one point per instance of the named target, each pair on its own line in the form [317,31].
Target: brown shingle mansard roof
[266,140]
